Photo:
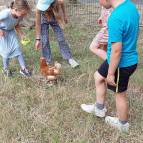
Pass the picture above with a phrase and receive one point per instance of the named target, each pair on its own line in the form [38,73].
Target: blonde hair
[20,5]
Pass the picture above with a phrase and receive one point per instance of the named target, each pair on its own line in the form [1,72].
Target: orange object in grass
[47,70]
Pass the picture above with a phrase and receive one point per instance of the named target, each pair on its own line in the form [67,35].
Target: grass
[32,112]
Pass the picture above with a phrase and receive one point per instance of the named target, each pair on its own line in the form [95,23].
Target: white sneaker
[91,108]
[73,63]
[114,122]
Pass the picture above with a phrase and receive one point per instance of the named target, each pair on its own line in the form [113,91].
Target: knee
[61,38]
[121,95]
[45,44]
[93,47]
[98,78]
[62,42]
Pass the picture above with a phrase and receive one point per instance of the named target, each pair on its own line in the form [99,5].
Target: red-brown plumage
[47,70]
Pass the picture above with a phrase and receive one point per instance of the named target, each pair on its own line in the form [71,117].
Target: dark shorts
[122,76]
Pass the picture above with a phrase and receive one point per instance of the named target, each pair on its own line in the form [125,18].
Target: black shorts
[122,76]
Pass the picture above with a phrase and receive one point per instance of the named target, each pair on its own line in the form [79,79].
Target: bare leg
[101,88]
[122,106]
[94,47]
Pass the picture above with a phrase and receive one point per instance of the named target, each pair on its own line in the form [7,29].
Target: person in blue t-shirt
[122,59]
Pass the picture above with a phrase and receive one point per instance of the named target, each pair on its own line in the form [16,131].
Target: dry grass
[32,112]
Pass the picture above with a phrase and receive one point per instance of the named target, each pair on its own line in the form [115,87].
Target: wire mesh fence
[81,13]
[86,13]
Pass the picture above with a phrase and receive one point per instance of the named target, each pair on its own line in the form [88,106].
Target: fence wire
[86,12]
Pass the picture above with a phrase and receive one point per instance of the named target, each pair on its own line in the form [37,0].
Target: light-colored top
[9,44]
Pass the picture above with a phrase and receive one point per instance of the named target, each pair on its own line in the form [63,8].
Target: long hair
[20,5]
[56,9]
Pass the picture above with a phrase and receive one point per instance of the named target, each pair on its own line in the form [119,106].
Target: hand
[37,45]
[111,79]
[2,33]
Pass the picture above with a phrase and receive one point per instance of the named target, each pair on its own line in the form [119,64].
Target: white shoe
[91,108]
[73,63]
[114,122]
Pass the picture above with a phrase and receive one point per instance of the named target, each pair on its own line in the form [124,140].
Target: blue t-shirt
[123,26]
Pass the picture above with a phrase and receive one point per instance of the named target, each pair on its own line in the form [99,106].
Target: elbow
[117,53]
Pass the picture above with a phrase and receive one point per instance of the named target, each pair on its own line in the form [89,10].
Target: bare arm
[37,29]
[38,24]
[114,62]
